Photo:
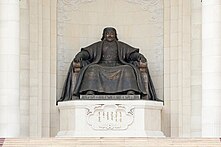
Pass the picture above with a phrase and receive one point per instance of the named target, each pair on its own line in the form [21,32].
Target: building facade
[39,38]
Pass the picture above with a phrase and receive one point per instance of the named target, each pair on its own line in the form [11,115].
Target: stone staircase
[1,141]
[111,142]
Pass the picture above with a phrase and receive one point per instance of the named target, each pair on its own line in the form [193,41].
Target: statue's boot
[90,92]
[130,92]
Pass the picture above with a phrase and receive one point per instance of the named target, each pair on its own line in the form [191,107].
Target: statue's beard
[110,39]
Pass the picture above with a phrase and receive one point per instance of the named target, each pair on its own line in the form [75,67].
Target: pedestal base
[110,118]
[111,134]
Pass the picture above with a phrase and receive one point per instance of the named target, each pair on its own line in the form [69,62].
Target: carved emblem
[110,117]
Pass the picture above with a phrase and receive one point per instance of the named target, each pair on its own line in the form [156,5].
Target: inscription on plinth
[110,97]
[110,117]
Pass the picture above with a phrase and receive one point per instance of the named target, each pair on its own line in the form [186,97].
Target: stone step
[111,142]
[1,141]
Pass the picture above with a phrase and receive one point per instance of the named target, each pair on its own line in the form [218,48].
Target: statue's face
[110,35]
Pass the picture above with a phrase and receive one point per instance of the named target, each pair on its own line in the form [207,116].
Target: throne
[142,67]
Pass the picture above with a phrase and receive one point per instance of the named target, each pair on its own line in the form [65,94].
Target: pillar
[9,68]
[211,68]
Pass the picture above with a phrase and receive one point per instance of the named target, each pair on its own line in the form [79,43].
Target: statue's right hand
[77,59]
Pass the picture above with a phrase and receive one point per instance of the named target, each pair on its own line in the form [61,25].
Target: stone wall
[38,68]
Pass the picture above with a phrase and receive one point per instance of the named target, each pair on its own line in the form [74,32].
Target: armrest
[77,67]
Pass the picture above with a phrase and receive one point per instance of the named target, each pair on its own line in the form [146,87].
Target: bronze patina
[108,67]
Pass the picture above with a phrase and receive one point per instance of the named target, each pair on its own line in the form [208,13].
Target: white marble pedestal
[110,118]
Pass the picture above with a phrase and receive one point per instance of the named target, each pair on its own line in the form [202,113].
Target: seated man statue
[108,67]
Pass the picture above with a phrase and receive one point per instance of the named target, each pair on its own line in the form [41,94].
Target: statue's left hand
[77,59]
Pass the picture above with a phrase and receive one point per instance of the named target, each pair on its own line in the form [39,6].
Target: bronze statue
[108,67]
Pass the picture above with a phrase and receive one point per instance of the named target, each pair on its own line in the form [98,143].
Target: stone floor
[111,142]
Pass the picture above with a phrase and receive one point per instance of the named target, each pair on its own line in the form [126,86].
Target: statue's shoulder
[96,43]
[93,45]
[123,44]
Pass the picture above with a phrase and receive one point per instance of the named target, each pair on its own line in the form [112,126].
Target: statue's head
[109,34]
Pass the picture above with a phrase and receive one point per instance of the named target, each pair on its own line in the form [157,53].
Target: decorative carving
[72,4]
[155,7]
[64,7]
[146,4]
[110,117]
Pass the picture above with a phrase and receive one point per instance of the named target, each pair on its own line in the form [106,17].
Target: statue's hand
[77,59]
[142,59]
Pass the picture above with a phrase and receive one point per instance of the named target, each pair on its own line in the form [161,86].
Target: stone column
[211,68]
[9,68]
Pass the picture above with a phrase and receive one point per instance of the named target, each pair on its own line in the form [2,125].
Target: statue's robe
[95,53]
